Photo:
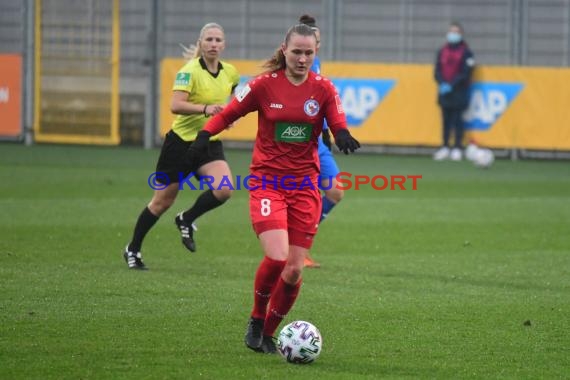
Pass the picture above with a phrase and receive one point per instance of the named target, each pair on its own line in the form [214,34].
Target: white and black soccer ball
[300,342]
[484,158]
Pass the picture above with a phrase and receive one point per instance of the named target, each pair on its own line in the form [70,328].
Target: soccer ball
[300,342]
[471,152]
[483,158]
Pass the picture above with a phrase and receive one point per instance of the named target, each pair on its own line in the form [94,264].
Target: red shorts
[297,211]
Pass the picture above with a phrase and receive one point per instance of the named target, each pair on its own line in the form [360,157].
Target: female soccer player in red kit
[292,103]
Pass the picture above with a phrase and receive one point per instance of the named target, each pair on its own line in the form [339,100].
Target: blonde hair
[277,60]
[210,25]
[188,51]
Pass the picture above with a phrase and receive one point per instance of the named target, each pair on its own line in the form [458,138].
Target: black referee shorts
[173,159]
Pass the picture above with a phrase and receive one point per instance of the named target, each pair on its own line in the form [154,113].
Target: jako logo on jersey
[361,96]
[488,102]
[311,107]
[276,105]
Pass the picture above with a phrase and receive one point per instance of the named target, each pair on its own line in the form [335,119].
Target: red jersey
[290,120]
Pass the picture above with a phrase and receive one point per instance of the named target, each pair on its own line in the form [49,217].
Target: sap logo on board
[488,102]
[360,97]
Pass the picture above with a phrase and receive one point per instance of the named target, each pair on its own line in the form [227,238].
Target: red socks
[282,300]
[266,277]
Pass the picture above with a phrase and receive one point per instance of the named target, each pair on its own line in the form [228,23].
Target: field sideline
[466,277]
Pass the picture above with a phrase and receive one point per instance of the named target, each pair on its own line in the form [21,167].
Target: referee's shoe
[134,259]
[187,232]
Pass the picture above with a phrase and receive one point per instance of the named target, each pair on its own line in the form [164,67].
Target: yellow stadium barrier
[511,107]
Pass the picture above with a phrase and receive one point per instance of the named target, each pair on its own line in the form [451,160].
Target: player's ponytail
[188,52]
[276,62]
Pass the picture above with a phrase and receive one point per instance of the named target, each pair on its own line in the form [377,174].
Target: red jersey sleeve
[243,103]
[334,113]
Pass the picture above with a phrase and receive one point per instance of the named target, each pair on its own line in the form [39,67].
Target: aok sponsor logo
[288,132]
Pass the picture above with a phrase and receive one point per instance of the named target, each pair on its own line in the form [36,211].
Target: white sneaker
[441,154]
[456,154]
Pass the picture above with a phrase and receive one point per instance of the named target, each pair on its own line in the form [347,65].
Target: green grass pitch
[466,277]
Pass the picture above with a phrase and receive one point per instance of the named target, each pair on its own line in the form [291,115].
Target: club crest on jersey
[311,107]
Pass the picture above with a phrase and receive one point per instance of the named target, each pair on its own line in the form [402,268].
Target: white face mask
[453,37]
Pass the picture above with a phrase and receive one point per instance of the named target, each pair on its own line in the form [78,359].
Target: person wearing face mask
[453,70]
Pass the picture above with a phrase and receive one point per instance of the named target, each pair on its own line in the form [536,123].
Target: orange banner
[10,95]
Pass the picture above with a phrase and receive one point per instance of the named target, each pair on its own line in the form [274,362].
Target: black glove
[199,148]
[327,138]
[346,142]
